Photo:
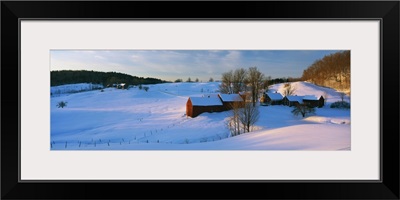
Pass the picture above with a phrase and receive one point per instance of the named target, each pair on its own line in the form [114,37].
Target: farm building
[228,100]
[309,100]
[197,105]
[211,95]
[313,101]
[118,85]
[272,98]
[292,100]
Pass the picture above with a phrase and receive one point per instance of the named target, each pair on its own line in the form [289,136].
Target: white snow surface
[134,119]
[73,88]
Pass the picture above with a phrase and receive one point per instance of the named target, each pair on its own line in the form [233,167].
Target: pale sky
[170,65]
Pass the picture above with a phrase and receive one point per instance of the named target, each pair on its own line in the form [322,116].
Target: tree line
[63,77]
[331,71]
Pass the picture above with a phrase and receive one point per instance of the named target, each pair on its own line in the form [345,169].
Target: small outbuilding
[197,105]
[272,98]
[292,100]
[231,100]
[313,101]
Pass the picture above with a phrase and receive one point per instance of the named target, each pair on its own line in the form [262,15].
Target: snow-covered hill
[305,88]
[73,88]
[155,120]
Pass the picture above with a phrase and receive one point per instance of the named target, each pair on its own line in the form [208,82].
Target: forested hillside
[331,71]
[105,78]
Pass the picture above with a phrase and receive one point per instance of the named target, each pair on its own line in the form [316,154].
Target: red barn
[197,105]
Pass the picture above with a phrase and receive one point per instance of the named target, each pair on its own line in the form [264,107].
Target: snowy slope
[155,120]
[305,88]
[73,88]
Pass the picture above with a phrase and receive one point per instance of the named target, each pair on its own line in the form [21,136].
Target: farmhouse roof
[206,101]
[231,97]
[310,97]
[275,96]
[210,95]
[295,98]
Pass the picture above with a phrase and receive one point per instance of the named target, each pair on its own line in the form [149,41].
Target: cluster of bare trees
[243,118]
[233,82]
[303,110]
[242,80]
[289,89]
[246,114]
[332,71]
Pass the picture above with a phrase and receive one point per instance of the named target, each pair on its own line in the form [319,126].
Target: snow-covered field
[134,119]
[73,88]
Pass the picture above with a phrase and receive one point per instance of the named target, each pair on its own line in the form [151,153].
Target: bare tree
[233,123]
[255,78]
[233,81]
[227,79]
[239,78]
[248,116]
[342,95]
[266,83]
[243,117]
[289,89]
[303,110]
[62,104]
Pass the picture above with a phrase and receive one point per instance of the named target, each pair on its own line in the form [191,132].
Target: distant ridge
[63,77]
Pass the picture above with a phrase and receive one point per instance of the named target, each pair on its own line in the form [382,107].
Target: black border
[387,11]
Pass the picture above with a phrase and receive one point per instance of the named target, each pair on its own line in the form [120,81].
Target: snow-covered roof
[210,95]
[295,98]
[206,101]
[231,97]
[310,97]
[275,96]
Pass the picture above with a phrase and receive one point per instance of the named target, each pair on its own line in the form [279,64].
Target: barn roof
[231,97]
[210,95]
[206,101]
[275,96]
[295,98]
[310,97]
